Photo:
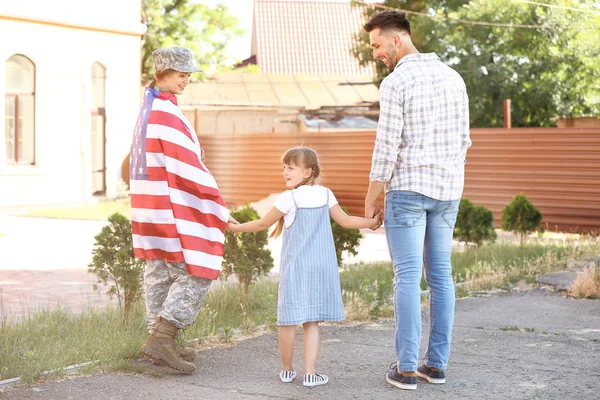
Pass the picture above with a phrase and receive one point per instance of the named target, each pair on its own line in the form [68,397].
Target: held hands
[231,224]
[377,222]
[374,211]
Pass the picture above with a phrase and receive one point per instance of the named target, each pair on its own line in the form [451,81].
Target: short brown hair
[164,73]
[388,19]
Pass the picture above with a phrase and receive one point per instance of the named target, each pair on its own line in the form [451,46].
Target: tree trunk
[246,287]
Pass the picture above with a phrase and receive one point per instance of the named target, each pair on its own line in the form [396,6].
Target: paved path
[43,264]
[558,360]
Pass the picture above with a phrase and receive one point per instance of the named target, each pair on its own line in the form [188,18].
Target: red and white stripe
[178,213]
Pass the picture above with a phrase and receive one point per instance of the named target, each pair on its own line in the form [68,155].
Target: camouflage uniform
[172,293]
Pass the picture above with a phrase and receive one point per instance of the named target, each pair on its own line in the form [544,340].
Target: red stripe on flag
[152,229]
[182,154]
[194,215]
[167,96]
[200,191]
[199,244]
[151,201]
[194,270]
[171,120]
[203,272]
[157,174]
[177,152]
[153,254]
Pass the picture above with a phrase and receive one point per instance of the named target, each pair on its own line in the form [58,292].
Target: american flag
[178,214]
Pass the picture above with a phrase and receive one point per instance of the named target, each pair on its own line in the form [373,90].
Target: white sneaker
[287,376]
[315,380]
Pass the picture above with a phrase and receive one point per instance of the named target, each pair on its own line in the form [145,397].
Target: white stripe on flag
[189,172]
[152,216]
[157,188]
[194,257]
[166,133]
[204,206]
[155,159]
[171,245]
[185,227]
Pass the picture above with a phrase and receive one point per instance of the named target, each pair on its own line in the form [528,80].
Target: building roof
[349,122]
[307,37]
[302,91]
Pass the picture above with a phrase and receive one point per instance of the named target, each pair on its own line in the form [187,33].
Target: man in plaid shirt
[419,156]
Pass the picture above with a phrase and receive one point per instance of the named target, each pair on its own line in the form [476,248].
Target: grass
[517,329]
[100,210]
[487,267]
[103,336]
[510,328]
[51,340]
[587,284]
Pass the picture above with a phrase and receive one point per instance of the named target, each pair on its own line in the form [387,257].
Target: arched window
[20,110]
[98,131]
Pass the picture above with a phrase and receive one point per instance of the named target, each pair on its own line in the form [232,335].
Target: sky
[243,9]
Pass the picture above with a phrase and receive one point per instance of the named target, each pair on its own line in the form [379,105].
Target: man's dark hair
[388,19]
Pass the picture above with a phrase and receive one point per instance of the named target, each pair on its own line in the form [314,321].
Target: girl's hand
[231,226]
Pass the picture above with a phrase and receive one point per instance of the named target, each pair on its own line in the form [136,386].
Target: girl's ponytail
[278,229]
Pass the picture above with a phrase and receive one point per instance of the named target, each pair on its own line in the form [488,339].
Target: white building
[70,78]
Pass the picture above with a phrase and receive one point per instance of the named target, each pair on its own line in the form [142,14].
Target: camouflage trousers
[172,293]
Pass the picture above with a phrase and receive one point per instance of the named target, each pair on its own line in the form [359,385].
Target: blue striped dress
[309,281]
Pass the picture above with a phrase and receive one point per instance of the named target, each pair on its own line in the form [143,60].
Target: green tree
[245,253]
[113,262]
[344,239]
[521,217]
[545,72]
[203,29]
[474,224]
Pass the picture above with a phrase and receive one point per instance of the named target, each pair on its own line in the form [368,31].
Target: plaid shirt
[423,130]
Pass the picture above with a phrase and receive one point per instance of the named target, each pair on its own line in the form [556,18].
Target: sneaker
[431,376]
[315,380]
[287,376]
[395,378]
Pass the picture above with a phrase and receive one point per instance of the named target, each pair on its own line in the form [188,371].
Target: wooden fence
[558,169]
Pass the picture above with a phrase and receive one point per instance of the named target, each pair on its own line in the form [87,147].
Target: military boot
[161,345]
[186,353]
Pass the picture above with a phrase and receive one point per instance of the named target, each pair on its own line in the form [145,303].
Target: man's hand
[371,208]
[370,212]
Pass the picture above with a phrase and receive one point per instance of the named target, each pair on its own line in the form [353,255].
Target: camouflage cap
[177,58]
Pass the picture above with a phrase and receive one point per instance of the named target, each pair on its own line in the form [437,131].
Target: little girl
[309,282]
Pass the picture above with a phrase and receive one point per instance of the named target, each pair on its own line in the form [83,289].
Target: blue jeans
[419,232]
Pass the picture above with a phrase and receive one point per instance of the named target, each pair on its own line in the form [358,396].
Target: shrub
[245,253]
[114,264]
[345,239]
[521,217]
[587,284]
[474,224]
